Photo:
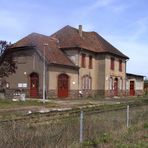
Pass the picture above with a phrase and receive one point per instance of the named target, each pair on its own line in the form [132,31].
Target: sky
[124,23]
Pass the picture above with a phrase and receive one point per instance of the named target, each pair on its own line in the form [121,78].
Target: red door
[116,87]
[34,83]
[132,88]
[63,80]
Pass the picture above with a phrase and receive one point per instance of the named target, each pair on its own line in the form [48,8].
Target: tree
[3,46]
[7,64]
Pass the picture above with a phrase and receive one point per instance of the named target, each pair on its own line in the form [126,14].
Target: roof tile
[52,51]
[69,37]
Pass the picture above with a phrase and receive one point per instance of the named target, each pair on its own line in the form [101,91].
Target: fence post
[127,116]
[81,126]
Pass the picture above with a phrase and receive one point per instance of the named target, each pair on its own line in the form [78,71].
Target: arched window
[86,82]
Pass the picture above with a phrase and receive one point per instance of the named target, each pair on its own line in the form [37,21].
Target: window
[111,83]
[121,84]
[90,62]
[83,60]
[112,64]
[86,82]
[120,65]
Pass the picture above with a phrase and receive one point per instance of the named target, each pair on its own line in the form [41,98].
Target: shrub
[145,125]
[105,138]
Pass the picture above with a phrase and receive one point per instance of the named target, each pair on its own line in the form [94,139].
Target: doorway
[34,85]
[63,85]
[132,88]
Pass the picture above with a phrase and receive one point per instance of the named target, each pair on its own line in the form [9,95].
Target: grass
[105,129]
[136,136]
[10,110]
[112,132]
[7,104]
[15,110]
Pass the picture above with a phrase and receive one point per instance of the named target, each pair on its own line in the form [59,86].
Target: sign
[22,85]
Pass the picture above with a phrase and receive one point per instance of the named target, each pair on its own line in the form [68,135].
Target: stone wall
[110,93]
[74,94]
[12,93]
[2,95]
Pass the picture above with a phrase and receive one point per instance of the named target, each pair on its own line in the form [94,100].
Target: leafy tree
[3,46]
[7,64]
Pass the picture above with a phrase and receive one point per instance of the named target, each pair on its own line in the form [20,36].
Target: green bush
[145,125]
[105,138]
[92,143]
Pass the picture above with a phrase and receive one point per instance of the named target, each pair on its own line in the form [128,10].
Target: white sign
[22,85]
[19,85]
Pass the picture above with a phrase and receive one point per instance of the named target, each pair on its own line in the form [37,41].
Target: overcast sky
[124,23]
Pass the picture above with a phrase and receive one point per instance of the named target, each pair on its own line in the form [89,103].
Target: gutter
[63,65]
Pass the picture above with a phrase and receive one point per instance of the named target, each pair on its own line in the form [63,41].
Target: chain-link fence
[68,132]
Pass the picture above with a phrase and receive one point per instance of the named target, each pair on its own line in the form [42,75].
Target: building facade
[77,63]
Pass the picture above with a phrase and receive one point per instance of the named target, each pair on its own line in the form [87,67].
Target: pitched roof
[52,52]
[92,41]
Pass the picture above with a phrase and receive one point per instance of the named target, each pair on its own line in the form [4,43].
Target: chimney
[80,30]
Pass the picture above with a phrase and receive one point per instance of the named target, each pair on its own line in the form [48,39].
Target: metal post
[127,116]
[81,126]
[44,76]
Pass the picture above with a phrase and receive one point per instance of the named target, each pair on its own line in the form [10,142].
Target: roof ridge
[35,33]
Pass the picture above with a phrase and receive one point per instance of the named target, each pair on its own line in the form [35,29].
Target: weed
[92,142]
[145,125]
[105,138]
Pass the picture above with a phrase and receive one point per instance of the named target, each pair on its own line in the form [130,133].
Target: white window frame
[86,82]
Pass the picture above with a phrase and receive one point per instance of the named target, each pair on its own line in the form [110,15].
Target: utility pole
[44,73]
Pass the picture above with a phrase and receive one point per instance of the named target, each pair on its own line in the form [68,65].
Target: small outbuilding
[146,87]
[134,84]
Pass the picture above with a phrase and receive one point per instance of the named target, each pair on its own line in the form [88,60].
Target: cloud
[139,28]
[119,8]
[8,20]
[113,5]
[86,10]
[99,4]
